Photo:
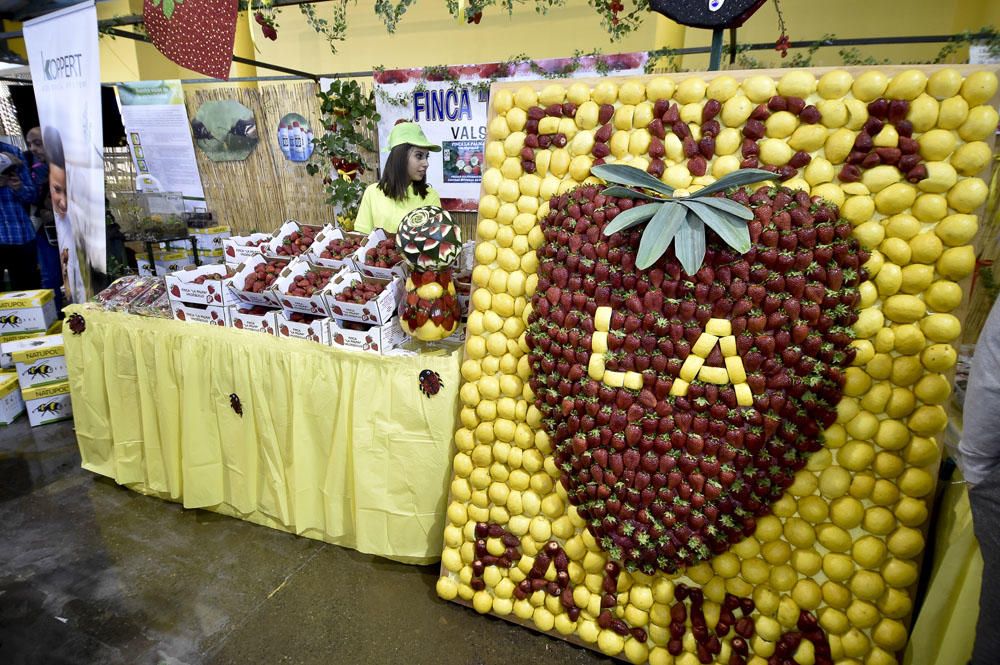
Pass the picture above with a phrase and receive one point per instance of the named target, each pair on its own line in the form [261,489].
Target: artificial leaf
[629,193]
[658,234]
[689,245]
[732,230]
[630,176]
[731,207]
[736,179]
[629,218]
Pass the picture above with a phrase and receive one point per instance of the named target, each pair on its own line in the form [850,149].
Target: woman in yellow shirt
[403,185]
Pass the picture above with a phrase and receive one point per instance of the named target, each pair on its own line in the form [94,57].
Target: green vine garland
[350,122]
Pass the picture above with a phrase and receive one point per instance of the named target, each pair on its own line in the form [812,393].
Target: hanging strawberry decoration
[196,34]
[685,376]
[429,241]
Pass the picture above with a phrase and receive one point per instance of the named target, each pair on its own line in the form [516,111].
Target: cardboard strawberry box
[254,318]
[302,286]
[202,285]
[254,278]
[240,248]
[377,310]
[320,255]
[376,245]
[297,325]
[191,313]
[291,240]
[365,337]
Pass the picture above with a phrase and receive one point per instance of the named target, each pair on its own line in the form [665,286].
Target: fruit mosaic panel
[708,356]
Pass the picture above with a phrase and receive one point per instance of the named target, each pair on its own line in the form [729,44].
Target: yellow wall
[427,35]
[808,20]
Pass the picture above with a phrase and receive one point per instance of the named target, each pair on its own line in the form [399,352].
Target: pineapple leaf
[658,234]
[736,179]
[731,207]
[629,218]
[733,230]
[623,174]
[689,245]
[629,193]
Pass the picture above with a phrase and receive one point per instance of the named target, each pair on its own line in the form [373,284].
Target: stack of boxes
[32,358]
[248,303]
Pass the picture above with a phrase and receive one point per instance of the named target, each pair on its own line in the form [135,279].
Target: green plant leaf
[623,174]
[629,218]
[689,245]
[658,235]
[629,193]
[733,230]
[736,179]
[725,205]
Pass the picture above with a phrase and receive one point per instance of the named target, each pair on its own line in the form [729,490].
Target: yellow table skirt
[334,445]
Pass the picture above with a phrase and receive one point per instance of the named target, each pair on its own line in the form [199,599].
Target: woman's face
[34,141]
[57,188]
[416,163]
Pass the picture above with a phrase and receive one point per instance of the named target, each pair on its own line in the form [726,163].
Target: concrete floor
[93,573]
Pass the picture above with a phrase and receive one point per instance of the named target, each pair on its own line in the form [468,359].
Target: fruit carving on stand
[429,241]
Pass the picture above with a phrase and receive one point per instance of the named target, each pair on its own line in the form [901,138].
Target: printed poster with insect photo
[452,113]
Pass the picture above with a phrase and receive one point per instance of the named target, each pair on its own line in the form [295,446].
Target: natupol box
[39,360]
[48,404]
[11,402]
[26,311]
[6,362]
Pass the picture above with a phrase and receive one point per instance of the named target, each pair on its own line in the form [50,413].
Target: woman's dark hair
[395,180]
[54,147]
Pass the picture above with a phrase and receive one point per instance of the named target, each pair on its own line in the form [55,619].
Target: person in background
[979,459]
[18,253]
[69,253]
[44,220]
[403,185]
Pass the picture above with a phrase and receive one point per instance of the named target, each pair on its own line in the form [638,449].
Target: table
[339,446]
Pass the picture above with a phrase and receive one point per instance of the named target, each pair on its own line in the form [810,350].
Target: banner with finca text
[66,76]
[452,112]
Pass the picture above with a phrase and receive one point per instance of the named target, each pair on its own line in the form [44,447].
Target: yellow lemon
[944,83]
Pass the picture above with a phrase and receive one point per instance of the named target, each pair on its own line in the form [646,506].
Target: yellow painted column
[668,35]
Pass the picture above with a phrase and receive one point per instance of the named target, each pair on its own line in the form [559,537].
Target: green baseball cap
[410,132]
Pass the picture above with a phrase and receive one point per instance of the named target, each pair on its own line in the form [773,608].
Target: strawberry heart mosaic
[683,388]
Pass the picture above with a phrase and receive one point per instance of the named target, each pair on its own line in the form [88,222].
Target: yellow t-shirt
[378,211]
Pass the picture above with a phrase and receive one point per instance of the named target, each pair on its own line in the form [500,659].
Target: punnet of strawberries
[360,292]
[384,254]
[308,283]
[297,242]
[299,317]
[668,478]
[263,276]
[201,279]
[341,248]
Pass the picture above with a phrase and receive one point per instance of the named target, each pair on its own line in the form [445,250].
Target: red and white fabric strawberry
[196,34]
[687,354]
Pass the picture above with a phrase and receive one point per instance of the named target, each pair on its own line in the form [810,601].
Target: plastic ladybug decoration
[76,324]
[430,382]
[234,401]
